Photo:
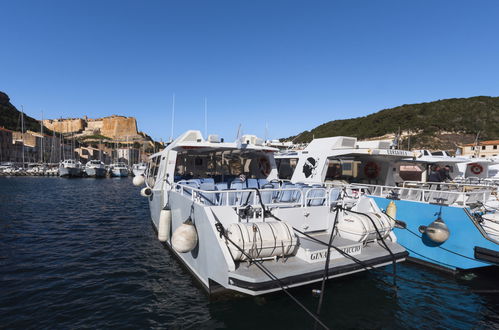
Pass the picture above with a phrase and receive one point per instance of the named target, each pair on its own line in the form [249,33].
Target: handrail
[300,196]
[450,184]
[427,195]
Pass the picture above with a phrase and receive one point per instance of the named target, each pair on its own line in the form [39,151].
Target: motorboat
[70,168]
[223,212]
[95,168]
[7,168]
[139,169]
[118,170]
[450,226]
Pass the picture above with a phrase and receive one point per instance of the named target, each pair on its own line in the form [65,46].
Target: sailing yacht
[221,209]
[118,169]
[95,168]
[70,168]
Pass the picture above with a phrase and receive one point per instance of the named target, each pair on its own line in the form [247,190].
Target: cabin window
[221,165]
[494,147]
[286,167]
[342,170]
[153,170]
[483,147]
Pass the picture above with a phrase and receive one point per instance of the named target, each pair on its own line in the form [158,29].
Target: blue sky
[291,64]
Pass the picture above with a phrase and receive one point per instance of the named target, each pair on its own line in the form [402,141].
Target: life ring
[264,166]
[371,170]
[476,168]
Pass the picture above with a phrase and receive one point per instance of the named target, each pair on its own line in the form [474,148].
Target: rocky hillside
[10,117]
[442,124]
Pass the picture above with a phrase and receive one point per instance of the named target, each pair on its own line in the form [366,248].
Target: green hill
[10,117]
[440,124]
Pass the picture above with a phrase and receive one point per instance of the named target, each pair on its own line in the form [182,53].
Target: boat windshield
[222,164]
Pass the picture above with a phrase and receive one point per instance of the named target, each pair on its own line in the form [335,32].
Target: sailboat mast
[22,129]
[41,144]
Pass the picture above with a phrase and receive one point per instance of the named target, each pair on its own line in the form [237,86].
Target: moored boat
[95,168]
[449,226]
[118,170]
[70,168]
[224,213]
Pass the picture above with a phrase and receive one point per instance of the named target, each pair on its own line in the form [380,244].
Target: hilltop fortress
[113,127]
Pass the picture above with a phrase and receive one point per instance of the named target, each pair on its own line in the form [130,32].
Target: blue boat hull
[467,247]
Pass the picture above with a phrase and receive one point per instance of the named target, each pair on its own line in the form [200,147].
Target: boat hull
[119,172]
[459,252]
[95,172]
[70,172]
[211,262]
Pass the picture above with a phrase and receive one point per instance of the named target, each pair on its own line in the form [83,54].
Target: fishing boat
[449,226]
[70,168]
[118,170]
[95,168]
[222,211]
[139,169]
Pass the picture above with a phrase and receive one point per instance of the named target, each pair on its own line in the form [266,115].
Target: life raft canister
[476,168]
[371,170]
[264,166]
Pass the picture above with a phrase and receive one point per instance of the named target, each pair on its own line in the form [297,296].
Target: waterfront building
[483,149]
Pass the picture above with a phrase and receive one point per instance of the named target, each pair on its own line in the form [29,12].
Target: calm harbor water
[82,253]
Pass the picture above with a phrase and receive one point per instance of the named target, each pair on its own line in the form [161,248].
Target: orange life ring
[476,168]
[264,166]
[371,170]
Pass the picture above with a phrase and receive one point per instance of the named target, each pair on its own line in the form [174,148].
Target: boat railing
[433,196]
[449,186]
[271,197]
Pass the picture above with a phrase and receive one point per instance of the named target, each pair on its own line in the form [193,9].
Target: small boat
[222,211]
[95,168]
[7,168]
[139,169]
[70,168]
[118,169]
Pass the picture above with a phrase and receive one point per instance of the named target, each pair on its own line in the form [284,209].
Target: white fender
[185,238]
[391,210]
[165,222]
[145,192]
[437,231]
[138,180]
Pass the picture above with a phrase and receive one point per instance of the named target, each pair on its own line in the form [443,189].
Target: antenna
[266,131]
[206,117]
[238,132]
[173,115]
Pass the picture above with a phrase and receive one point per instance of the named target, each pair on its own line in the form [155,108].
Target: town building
[484,149]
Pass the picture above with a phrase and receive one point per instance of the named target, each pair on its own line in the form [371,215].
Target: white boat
[118,169]
[95,168]
[139,169]
[7,168]
[70,168]
[465,215]
[222,211]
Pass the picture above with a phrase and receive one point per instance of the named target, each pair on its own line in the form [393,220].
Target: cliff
[10,117]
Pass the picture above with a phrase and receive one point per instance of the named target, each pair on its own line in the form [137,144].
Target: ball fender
[185,238]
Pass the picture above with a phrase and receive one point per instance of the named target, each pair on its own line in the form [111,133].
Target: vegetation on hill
[427,122]
[10,117]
